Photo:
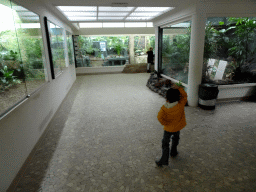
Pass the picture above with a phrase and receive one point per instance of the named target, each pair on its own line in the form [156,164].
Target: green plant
[99,55]
[8,79]
[11,56]
[118,49]
[243,46]
[179,84]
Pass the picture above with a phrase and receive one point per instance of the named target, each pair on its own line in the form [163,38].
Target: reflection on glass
[57,47]
[230,50]
[70,46]
[31,46]
[21,65]
[175,51]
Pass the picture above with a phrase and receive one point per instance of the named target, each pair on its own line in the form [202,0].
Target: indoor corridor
[106,137]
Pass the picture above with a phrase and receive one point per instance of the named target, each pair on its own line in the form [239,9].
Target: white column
[131,48]
[156,48]
[196,57]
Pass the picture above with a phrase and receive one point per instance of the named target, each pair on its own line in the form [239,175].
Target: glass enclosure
[22,66]
[57,47]
[230,50]
[70,47]
[102,51]
[175,51]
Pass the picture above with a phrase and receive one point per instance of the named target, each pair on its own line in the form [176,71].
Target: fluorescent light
[77,8]
[134,24]
[113,13]
[115,8]
[82,18]
[110,18]
[90,25]
[113,25]
[153,9]
[72,13]
[145,14]
[138,18]
[150,24]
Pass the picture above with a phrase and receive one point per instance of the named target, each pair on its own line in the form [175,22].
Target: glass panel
[71,56]
[100,51]
[142,44]
[175,51]
[12,83]
[230,50]
[31,46]
[21,59]
[57,47]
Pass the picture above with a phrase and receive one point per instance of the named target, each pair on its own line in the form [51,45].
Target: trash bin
[207,96]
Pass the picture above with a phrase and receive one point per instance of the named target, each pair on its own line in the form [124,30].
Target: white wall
[99,70]
[21,128]
[116,31]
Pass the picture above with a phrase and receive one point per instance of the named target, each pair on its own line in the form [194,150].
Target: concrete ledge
[99,70]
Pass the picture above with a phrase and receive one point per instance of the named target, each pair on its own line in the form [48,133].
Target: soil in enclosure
[11,96]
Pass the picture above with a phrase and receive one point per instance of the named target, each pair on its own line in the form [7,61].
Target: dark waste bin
[207,96]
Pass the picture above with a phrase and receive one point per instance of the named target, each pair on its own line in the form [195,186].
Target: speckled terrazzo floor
[106,137]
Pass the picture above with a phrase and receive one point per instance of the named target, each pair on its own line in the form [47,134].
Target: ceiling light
[82,18]
[110,18]
[145,14]
[113,13]
[71,14]
[77,8]
[138,18]
[115,8]
[153,9]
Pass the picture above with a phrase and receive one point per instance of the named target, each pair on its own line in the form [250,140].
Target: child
[172,116]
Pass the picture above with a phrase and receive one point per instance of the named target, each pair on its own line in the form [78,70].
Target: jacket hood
[170,105]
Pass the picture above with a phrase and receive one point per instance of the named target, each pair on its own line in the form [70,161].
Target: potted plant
[118,49]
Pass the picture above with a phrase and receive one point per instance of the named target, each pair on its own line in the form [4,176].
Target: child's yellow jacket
[173,117]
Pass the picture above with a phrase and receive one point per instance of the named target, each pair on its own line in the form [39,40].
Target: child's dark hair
[173,95]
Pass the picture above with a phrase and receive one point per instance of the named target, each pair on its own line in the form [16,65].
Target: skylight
[101,13]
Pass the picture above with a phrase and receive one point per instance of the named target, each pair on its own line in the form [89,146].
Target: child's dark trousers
[165,145]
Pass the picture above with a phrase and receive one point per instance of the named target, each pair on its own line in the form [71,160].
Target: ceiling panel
[116,8]
[113,13]
[110,18]
[101,13]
